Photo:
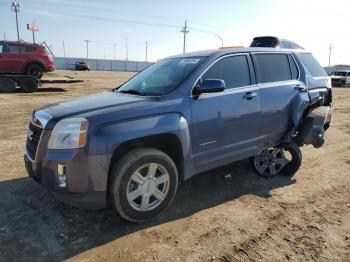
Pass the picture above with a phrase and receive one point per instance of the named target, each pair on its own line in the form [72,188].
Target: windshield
[161,77]
[340,73]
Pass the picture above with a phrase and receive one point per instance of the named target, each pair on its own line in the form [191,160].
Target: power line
[112,19]
[128,12]
[209,32]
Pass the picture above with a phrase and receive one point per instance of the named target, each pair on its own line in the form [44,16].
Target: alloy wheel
[270,162]
[148,186]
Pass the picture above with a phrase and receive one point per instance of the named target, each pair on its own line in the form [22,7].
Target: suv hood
[91,105]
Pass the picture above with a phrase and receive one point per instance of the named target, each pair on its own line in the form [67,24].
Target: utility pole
[4,36]
[127,50]
[184,31]
[15,7]
[330,54]
[87,48]
[64,49]
[114,45]
[146,50]
[33,30]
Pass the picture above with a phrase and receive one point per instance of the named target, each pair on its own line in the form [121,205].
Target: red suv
[25,58]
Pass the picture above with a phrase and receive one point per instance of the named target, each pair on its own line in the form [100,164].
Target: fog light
[61,172]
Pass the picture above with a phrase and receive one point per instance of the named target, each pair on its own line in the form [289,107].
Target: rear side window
[312,65]
[28,48]
[233,70]
[286,44]
[1,47]
[273,67]
[293,68]
[12,48]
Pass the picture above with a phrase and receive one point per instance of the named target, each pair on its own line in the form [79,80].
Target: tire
[35,70]
[123,189]
[28,85]
[7,85]
[279,162]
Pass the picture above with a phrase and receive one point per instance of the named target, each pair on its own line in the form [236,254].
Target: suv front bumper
[85,182]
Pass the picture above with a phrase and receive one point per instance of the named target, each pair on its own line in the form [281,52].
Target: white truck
[341,78]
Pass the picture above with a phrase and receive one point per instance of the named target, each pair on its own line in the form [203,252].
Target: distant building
[332,69]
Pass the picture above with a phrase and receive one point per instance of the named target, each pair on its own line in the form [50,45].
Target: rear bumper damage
[314,126]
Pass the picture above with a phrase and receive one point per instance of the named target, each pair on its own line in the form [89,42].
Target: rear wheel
[7,85]
[284,159]
[143,183]
[35,70]
[29,85]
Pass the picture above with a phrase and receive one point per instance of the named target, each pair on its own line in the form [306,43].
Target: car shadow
[44,90]
[50,89]
[36,226]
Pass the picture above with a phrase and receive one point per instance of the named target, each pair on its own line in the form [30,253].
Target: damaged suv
[179,117]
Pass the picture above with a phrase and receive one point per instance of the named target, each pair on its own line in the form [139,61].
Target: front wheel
[283,159]
[142,184]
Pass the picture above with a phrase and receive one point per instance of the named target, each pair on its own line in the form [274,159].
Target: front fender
[107,138]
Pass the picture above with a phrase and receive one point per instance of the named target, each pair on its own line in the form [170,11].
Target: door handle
[300,88]
[250,95]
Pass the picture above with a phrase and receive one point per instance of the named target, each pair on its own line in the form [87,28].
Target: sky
[312,24]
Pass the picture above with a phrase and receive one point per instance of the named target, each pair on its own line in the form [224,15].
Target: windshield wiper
[130,91]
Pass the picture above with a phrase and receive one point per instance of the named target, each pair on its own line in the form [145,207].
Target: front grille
[34,134]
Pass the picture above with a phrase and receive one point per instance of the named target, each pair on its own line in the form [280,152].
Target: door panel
[226,125]
[2,60]
[12,59]
[277,75]
[276,100]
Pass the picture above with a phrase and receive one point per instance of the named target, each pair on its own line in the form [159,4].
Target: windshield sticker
[190,60]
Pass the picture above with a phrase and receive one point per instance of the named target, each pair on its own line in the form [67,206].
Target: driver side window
[234,70]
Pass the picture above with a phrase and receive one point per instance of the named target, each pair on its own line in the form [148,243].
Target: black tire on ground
[28,85]
[120,183]
[290,168]
[35,70]
[7,85]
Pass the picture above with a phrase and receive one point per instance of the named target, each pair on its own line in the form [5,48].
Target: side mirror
[209,86]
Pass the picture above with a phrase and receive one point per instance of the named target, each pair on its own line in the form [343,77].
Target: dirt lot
[212,218]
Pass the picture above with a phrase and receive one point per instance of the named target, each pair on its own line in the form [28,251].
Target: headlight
[69,133]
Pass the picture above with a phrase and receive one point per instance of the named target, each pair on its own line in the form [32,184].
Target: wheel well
[34,63]
[167,143]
